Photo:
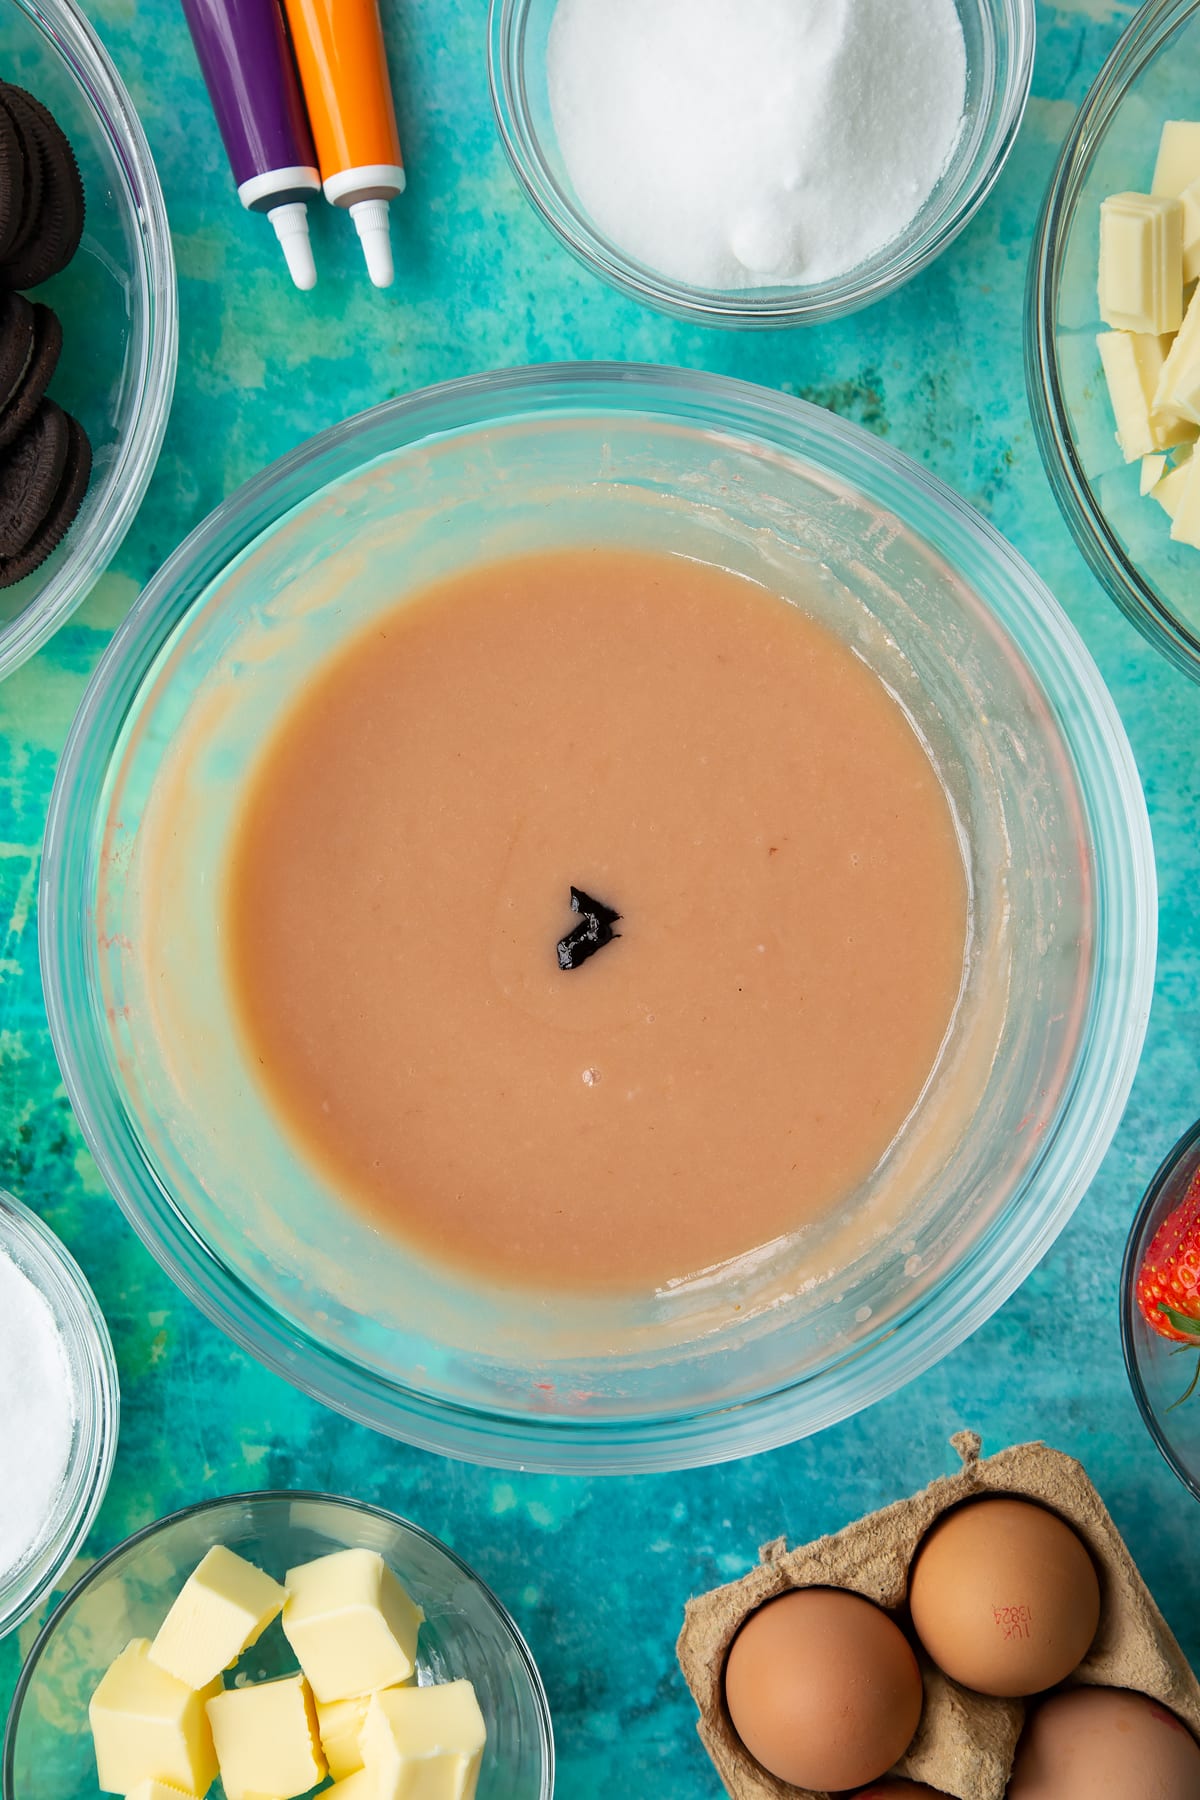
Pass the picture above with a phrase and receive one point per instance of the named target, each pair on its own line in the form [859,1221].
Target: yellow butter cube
[149,1727]
[351,1624]
[1185,522]
[340,1723]
[160,1790]
[1141,263]
[266,1739]
[359,1786]
[425,1743]
[223,1607]
[1178,163]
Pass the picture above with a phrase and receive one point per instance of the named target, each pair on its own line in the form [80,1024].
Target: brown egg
[1105,1744]
[1004,1597]
[900,1790]
[823,1689]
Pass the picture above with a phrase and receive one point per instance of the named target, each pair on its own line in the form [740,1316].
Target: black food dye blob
[594,930]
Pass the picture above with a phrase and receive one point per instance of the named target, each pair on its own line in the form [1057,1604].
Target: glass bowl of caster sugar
[773,162]
[58,1410]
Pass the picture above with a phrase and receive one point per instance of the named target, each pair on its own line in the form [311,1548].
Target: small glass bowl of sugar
[776,162]
[59,1410]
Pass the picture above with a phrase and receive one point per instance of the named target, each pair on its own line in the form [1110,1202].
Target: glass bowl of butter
[1104,442]
[228,1597]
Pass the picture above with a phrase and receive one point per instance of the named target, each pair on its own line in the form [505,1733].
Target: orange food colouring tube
[343,70]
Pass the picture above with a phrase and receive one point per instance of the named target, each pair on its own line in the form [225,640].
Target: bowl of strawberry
[1160,1308]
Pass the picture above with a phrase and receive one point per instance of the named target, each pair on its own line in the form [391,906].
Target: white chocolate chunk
[351,1624]
[1169,491]
[1141,263]
[1178,163]
[223,1607]
[1190,201]
[425,1743]
[1153,470]
[1185,522]
[1178,387]
[266,1739]
[1133,368]
[147,1726]
[1185,393]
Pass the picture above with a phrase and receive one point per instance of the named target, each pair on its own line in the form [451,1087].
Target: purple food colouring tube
[247,66]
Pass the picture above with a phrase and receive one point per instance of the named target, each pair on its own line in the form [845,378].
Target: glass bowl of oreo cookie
[88,317]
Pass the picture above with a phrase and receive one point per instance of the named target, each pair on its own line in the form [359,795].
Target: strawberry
[1168,1283]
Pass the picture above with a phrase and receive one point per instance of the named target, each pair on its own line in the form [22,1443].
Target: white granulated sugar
[37,1414]
[747,143]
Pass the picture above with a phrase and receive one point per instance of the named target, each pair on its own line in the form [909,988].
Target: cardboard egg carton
[965,1742]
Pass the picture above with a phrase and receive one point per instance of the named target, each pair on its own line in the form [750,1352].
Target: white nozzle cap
[291,228]
[371,221]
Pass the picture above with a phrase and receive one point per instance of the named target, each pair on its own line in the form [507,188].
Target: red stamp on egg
[1013,1621]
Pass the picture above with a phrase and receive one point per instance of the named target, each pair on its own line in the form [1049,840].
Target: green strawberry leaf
[1181,1321]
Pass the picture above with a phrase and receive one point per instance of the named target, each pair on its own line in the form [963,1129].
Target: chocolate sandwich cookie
[18,337]
[40,365]
[30,472]
[68,498]
[32,183]
[12,181]
[49,235]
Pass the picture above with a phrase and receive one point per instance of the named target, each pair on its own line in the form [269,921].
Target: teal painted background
[595,1571]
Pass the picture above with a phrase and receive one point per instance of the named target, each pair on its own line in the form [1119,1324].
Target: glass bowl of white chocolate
[272,1643]
[1113,328]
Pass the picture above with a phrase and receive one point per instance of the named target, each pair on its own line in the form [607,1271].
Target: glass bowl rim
[1049,645]
[98,1406]
[304,1496]
[140,196]
[721,307]
[1188,1145]
[1138,44]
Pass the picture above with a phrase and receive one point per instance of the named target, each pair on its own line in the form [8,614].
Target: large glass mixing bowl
[1032,1079]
